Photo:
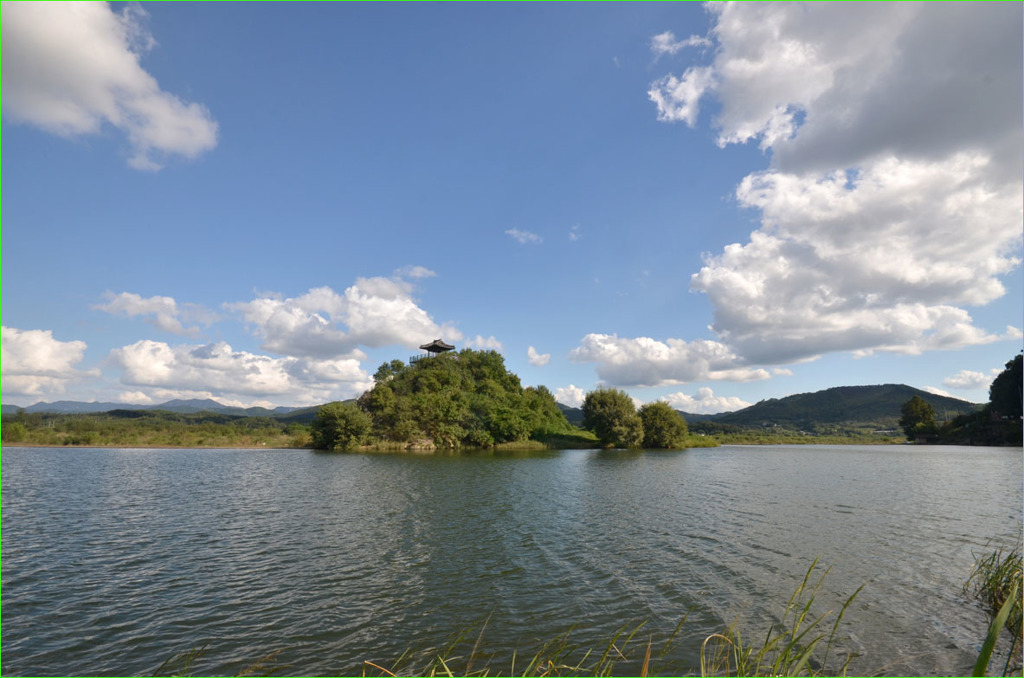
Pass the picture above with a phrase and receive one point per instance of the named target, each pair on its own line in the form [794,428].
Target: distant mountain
[182,406]
[67,407]
[849,405]
[573,414]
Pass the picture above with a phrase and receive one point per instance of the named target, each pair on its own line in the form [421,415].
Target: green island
[469,400]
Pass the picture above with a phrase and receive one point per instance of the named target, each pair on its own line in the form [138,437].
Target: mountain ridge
[878,404]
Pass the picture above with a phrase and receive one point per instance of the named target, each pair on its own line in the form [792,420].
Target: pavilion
[436,347]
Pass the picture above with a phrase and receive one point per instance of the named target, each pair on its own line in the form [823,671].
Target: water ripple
[115,560]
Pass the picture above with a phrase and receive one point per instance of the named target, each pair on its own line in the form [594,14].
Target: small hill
[842,404]
[459,399]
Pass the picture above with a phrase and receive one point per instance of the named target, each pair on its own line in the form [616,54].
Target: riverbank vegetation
[152,428]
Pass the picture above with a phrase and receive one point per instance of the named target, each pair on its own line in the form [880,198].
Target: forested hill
[843,404]
[860,406]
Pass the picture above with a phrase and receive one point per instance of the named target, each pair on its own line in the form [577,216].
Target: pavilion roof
[437,346]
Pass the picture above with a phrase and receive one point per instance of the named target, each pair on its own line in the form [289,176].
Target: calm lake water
[115,560]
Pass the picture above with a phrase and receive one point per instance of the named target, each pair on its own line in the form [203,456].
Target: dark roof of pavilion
[436,346]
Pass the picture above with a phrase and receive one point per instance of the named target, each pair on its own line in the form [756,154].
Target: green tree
[13,431]
[663,427]
[611,415]
[918,418]
[339,426]
[1004,395]
[388,371]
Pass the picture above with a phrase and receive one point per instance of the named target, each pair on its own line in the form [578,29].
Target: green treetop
[918,418]
[611,415]
[663,426]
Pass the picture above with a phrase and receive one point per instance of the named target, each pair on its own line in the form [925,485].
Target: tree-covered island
[469,399]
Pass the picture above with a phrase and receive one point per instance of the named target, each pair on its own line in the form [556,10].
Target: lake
[115,560]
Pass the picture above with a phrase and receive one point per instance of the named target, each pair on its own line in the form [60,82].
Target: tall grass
[792,647]
[996,582]
[788,647]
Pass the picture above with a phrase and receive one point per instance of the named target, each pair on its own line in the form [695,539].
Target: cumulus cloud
[71,68]
[537,359]
[643,361]
[33,363]
[164,313]
[373,312]
[570,395]
[219,370]
[705,402]
[967,380]
[490,343]
[524,237]
[894,195]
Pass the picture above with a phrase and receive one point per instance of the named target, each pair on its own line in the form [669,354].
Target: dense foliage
[1004,395]
[611,415]
[339,426]
[458,399]
[663,426]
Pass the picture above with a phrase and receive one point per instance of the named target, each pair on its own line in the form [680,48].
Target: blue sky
[260,203]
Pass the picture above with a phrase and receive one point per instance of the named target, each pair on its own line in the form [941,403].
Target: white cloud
[490,343]
[220,371]
[165,311]
[134,398]
[705,402]
[374,312]
[33,363]
[537,359]
[967,380]
[524,237]
[666,43]
[894,194]
[415,272]
[71,68]
[574,233]
[643,361]
[570,395]
[678,99]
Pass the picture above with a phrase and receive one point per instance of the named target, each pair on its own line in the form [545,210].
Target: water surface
[115,560]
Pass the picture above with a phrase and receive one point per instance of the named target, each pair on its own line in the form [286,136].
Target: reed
[790,648]
[996,581]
